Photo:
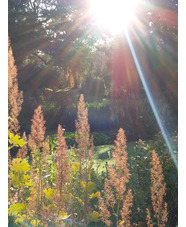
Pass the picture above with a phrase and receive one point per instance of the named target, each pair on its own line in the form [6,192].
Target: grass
[103,155]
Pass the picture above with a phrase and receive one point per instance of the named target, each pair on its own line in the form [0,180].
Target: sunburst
[114,15]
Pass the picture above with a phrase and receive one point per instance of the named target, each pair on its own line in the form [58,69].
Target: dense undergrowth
[51,184]
[64,180]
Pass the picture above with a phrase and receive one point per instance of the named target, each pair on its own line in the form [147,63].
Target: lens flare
[113,15]
[142,77]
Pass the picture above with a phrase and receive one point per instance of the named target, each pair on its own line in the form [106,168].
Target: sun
[114,15]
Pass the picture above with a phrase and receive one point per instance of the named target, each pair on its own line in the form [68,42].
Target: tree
[51,27]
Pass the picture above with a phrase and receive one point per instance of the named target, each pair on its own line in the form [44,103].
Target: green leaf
[49,89]
[15,140]
[94,216]
[49,193]
[59,90]
[17,208]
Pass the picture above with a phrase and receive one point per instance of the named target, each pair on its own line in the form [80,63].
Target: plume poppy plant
[39,150]
[37,134]
[117,199]
[85,149]
[62,178]
[157,193]
[15,97]
[82,135]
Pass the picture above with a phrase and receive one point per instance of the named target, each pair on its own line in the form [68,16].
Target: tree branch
[46,63]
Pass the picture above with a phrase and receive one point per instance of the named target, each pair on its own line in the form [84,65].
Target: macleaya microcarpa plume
[15,97]
[85,149]
[37,134]
[82,137]
[157,193]
[117,199]
[39,150]
[62,179]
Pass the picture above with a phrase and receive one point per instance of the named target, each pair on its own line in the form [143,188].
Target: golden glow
[114,15]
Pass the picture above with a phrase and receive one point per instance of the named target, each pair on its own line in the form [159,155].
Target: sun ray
[150,98]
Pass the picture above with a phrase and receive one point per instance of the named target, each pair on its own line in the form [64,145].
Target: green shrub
[139,165]
[70,138]
[100,138]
